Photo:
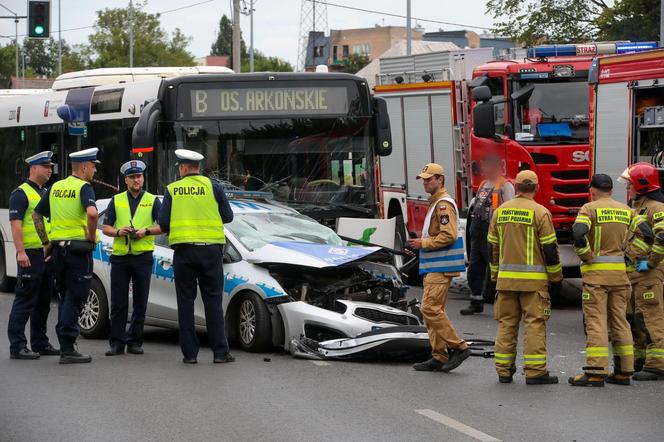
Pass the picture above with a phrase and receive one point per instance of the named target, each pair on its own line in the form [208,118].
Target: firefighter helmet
[643,176]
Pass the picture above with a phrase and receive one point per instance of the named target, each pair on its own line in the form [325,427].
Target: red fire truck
[627,111]
[533,112]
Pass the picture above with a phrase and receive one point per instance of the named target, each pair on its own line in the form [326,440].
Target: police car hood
[307,254]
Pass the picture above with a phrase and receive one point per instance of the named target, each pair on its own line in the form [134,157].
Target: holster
[56,266]
[77,246]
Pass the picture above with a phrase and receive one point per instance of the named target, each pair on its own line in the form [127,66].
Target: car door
[162,303]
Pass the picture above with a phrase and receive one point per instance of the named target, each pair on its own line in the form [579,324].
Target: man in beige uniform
[600,232]
[524,260]
[441,259]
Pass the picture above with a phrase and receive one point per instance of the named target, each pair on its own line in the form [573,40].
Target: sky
[276,22]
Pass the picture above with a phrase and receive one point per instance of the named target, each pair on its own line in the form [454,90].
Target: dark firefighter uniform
[66,203]
[34,285]
[489,196]
[194,211]
[441,260]
[131,262]
[647,274]
[600,232]
[524,260]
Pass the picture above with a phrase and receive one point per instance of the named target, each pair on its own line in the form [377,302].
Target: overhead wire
[391,14]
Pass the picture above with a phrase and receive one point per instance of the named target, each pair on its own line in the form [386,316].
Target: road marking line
[456,425]
[320,363]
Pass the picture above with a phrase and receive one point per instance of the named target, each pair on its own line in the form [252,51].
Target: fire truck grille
[379,316]
[570,174]
[571,202]
[542,158]
[571,188]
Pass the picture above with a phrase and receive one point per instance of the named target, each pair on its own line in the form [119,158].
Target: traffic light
[39,19]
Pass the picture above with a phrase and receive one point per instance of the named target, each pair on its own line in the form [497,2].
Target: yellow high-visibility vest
[30,237]
[195,214]
[142,219]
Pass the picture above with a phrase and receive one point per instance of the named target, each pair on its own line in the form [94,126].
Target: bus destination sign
[257,102]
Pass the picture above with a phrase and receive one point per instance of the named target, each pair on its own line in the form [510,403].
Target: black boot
[432,364]
[68,353]
[474,307]
[456,358]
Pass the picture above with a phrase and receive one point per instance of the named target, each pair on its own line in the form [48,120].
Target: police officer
[524,259]
[441,260]
[34,287]
[599,233]
[493,191]
[194,211]
[130,218]
[70,204]
[646,276]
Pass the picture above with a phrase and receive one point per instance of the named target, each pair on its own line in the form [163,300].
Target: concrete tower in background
[313,18]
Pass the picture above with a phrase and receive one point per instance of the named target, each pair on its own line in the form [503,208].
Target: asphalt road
[156,397]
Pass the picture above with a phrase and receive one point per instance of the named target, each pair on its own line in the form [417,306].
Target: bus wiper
[353,207]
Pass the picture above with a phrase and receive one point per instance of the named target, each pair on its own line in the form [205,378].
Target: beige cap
[430,170]
[526,177]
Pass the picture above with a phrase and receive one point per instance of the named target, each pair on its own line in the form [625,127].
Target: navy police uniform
[34,286]
[65,204]
[131,263]
[193,212]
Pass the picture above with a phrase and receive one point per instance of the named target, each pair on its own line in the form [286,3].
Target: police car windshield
[255,230]
[555,113]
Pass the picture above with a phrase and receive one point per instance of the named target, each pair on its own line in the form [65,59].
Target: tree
[354,62]
[7,64]
[109,44]
[42,57]
[223,45]
[263,63]
[558,21]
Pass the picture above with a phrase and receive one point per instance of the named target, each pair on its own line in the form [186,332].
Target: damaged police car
[286,277]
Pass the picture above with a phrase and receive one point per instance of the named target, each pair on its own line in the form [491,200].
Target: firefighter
[441,259]
[524,260]
[493,191]
[644,188]
[599,233]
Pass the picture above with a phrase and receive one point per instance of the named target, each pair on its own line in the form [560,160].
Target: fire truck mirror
[523,94]
[382,131]
[484,125]
[481,94]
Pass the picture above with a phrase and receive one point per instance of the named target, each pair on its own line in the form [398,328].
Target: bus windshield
[555,112]
[310,161]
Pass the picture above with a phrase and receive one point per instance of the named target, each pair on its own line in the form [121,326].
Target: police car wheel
[254,324]
[94,320]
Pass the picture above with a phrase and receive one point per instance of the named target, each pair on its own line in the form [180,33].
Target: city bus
[311,139]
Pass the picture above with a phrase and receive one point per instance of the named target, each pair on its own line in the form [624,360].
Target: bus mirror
[143,135]
[481,93]
[484,125]
[382,132]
